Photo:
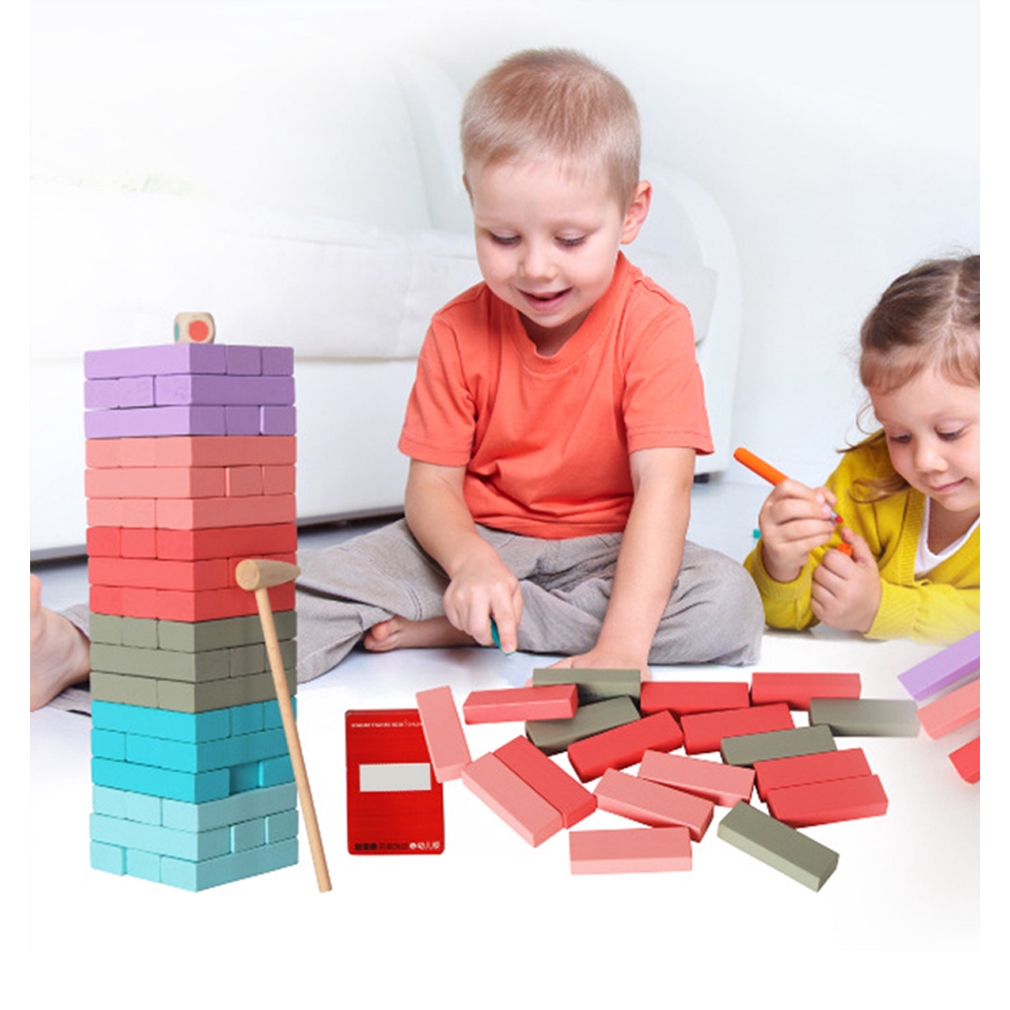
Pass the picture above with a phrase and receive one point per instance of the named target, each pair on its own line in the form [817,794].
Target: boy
[554,421]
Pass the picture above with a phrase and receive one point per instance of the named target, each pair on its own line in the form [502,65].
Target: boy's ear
[638,210]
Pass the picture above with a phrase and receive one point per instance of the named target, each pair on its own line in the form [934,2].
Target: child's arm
[480,585]
[648,561]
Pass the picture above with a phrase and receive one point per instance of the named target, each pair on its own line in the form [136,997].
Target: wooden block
[203,513]
[865,716]
[137,512]
[277,360]
[139,543]
[630,850]
[687,697]
[555,735]
[624,745]
[193,667]
[778,845]
[278,479]
[227,542]
[242,481]
[950,712]
[179,605]
[139,421]
[159,359]
[244,360]
[443,733]
[277,420]
[782,743]
[796,689]
[516,803]
[104,541]
[724,785]
[573,801]
[827,802]
[704,731]
[155,482]
[252,450]
[198,876]
[194,328]
[558,701]
[945,668]
[224,390]
[653,804]
[808,768]
[146,573]
[967,759]
[593,685]
[110,394]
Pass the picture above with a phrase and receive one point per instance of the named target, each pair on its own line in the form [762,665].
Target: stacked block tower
[190,469]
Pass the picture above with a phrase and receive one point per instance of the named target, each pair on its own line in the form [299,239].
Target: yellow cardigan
[941,608]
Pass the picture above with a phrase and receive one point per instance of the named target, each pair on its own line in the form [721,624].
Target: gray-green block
[141,632]
[105,628]
[235,866]
[124,689]
[866,716]
[233,691]
[780,846]
[163,664]
[555,735]
[225,633]
[247,659]
[745,750]
[594,685]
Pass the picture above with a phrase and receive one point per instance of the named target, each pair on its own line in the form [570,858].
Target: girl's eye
[571,243]
[900,439]
[503,239]
[949,436]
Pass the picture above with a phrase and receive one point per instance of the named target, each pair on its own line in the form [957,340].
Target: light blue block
[248,834]
[192,788]
[276,770]
[110,858]
[282,825]
[222,813]
[156,722]
[145,865]
[106,743]
[225,869]
[163,841]
[126,806]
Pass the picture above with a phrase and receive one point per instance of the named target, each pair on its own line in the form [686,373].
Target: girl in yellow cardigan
[908,494]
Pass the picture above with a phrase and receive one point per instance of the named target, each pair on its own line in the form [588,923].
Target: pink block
[556,701]
[136,512]
[724,785]
[687,697]
[808,768]
[624,745]
[827,802]
[155,482]
[967,759]
[243,481]
[443,733]
[555,785]
[704,731]
[630,850]
[516,803]
[952,711]
[205,513]
[653,804]
[796,689]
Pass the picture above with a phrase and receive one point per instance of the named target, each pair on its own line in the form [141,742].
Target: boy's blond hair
[554,102]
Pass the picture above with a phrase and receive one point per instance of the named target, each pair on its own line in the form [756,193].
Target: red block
[230,542]
[104,541]
[624,745]
[278,480]
[951,711]
[572,800]
[189,450]
[630,850]
[796,689]
[144,573]
[556,701]
[140,543]
[175,605]
[809,768]
[443,733]
[243,481]
[685,698]
[653,804]
[827,802]
[723,784]
[202,513]
[516,803]
[967,759]
[704,731]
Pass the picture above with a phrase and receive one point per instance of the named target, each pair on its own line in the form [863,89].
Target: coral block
[178,605]
[809,768]
[943,669]
[519,704]
[184,450]
[950,712]
[704,731]
[827,802]
[255,541]
[155,482]
[796,689]
[573,801]
[443,733]
[653,804]
[145,573]
[722,784]
[203,513]
[624,745]
[630,850]
[967,759]
[686,697]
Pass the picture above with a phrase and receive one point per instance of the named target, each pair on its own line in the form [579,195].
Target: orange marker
[769,473]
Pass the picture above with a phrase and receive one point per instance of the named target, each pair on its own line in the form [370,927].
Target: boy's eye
[949,436]
[503,239]
[900,439]
[569,242]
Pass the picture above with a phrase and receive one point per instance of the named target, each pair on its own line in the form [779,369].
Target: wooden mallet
[258,576]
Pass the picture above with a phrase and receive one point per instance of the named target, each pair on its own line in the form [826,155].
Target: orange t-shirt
[545,440]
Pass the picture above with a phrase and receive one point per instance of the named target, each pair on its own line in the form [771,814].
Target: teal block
[275,770]
[126,805]
[282,825]
[247,718]
[106,628]
[248,834]
[200,757]
[212,872]
[144,865]
[110,858]
[163,841]
[193,788]
[108,744]
[272,713]
[242,806]
[244,777]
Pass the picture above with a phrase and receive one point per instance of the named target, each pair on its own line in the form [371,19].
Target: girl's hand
[846,591]
[484,588]
[793,520]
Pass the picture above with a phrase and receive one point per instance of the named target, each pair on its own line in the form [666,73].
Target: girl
[908,494]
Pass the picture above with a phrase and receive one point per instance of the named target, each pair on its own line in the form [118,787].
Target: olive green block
[593,685]
[866,716]
[162,664]
[743,751]
[555,735]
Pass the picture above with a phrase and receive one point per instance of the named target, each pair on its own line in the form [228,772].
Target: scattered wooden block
[967,759]
[746,750]
[865,716]
[630,850]
[688,697]
[443,733]
[796,689]
[555,735]
[704,731]
[799,771]
[558,701]
[653,804]
[943,669]
[624,745]
[723,784]
[593,685]
[951,711]
[827,802]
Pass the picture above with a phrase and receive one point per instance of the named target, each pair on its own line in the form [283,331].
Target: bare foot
[60,654]
[399,633]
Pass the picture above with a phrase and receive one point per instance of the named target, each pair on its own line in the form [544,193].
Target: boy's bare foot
[399,633]
[60,654]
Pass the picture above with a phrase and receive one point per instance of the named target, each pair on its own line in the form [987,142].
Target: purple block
[135,422]
[277,421]
[278,360]
[224,390]
[100,394]
[137,391]
[242,420]
[161,359]
[243,359]
[943,669]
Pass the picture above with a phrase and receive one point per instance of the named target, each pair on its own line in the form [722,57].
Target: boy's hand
[846,591]
[482,588]
[597,659]
[793,520]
